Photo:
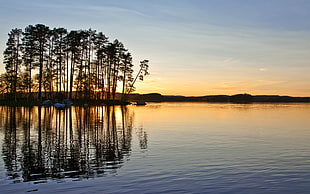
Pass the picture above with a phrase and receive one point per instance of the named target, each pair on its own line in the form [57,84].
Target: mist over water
[158,148]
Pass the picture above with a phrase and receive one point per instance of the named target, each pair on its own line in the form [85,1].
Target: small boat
[140,103]
[60,106]
[47,103]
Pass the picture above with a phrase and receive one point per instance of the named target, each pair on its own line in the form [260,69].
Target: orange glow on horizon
[196,91]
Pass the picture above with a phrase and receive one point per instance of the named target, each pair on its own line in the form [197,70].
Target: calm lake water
[158,148]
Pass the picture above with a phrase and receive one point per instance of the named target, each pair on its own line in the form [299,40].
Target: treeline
[238,98]
[44,63]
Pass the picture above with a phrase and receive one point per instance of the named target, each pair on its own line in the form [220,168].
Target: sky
[195,47]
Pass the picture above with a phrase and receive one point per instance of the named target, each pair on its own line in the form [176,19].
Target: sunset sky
[195,47]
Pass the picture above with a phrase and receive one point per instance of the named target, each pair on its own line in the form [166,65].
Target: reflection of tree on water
[10,143]
[142,138]
[79,142]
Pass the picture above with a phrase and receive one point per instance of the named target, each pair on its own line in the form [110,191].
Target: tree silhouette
[39,36]
[59,57]
[142,72]
[12,60]
[80,64]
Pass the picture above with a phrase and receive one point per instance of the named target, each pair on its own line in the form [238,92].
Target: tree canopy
[43,63]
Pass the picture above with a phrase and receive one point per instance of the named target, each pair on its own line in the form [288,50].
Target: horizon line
[218,95]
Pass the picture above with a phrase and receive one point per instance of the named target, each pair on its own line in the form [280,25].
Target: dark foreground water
[158,148]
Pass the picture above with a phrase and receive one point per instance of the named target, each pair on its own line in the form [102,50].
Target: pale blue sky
[195,47]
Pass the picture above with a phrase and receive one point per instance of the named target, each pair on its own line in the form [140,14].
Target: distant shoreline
[156,97]
[238,98]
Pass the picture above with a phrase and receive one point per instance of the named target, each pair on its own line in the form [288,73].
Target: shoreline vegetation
[156,97]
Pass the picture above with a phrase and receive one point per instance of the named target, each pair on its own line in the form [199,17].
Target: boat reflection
[45,143]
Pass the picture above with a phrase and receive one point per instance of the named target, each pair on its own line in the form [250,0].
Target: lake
[157,148]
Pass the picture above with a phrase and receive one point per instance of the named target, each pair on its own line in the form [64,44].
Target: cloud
[115,10]
[264,83]
[248,86]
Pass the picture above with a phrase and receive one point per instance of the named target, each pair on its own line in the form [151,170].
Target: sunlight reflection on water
[164,148]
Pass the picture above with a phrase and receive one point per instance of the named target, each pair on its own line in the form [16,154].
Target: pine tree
[12,60]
